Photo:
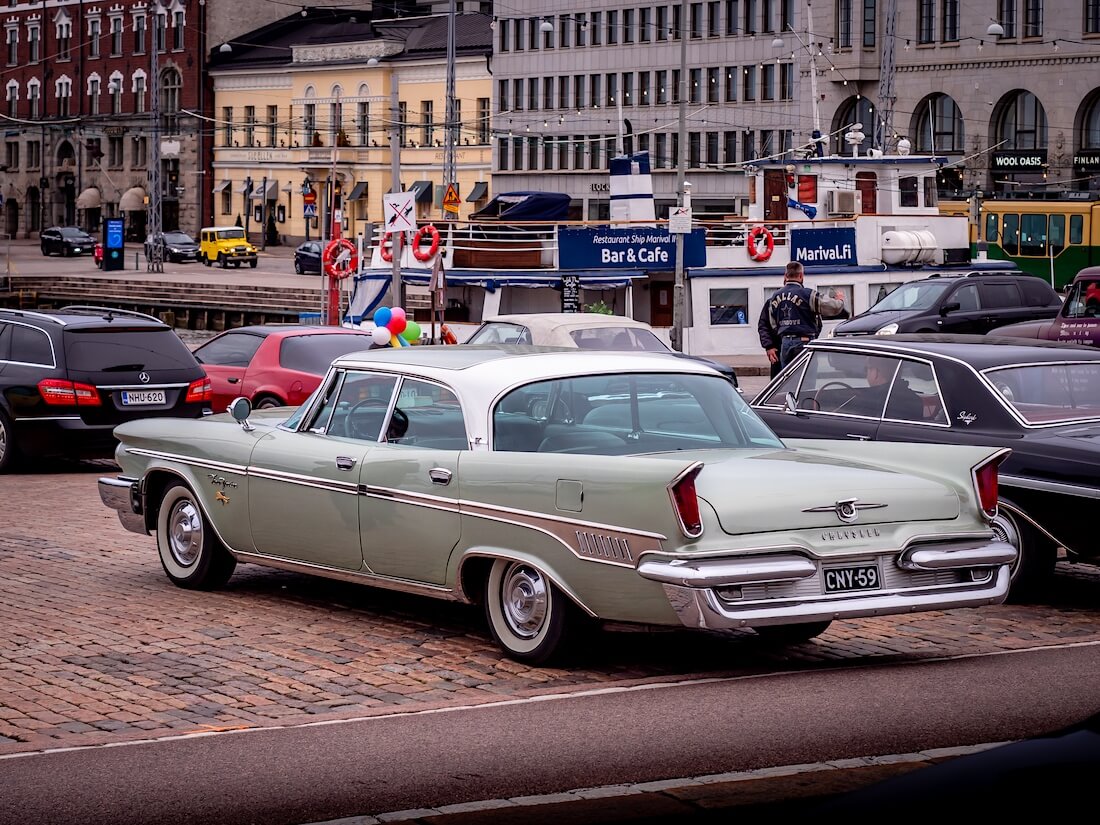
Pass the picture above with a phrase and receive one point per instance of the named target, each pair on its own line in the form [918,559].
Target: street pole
[678,289]
[155,261]
[450,130]
[396,290]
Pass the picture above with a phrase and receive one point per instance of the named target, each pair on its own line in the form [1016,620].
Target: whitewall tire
[191,555]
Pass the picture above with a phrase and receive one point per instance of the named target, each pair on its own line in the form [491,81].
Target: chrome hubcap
[3,440]
[1004,529]
[525,600]
[185,533]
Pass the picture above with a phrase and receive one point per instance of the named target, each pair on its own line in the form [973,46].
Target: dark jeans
[789,348]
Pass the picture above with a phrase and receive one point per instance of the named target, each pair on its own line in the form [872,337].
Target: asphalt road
[650,732]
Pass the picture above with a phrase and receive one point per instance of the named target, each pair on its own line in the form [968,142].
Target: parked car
[66,241]
[68,377]
[273,365]
[307,258]
[225,245]
[175,246]
[558,487]
[1040,399]
[958,304]
[583,330]
[1078,321]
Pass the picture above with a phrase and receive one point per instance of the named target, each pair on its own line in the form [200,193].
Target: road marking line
[549,697]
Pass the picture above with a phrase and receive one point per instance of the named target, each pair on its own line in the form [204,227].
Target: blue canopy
[525,206]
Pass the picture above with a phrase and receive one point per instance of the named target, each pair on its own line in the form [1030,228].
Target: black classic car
[1040,399]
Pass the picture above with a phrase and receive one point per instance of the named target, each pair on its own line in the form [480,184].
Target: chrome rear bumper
[122,495]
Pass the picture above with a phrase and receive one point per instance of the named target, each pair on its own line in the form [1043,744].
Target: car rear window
[125,349]
[1038,293]
[621,339]
[314,353]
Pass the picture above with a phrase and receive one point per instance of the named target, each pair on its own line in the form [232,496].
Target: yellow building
[303,103]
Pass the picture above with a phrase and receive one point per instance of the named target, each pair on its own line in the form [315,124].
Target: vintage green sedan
[559,488]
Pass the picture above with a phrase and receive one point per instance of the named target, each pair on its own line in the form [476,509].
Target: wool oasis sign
[824,246]
[638,248]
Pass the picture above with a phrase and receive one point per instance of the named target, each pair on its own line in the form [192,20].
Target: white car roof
[552,321]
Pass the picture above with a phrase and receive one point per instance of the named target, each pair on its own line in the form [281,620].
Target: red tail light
[685,502]
[199,390]
[985,484]
[59,393]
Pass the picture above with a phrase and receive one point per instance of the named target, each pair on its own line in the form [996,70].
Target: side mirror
[790,404]
[950,307]
[240,408]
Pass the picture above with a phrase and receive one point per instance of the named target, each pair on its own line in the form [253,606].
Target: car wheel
[298,267]
[791,634]
[8,453]
[528,616]
[190,553]
[206,261]
[266,402]
[253,263]
[1036,555]
[223,261]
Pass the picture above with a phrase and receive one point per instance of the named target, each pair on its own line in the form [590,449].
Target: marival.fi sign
[636,248]
[824,246]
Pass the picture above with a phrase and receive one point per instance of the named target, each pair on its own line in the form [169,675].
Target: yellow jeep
[225,245]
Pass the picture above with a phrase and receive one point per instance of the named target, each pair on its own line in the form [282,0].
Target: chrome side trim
[491,554]
[1017,511]
[186,459]
[1060,487]
[29,419]
[969,554]
[346,487]
[729,573]
[140,386]
[354,576]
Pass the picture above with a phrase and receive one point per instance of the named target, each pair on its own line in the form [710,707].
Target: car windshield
[917,295]
[73,232]
[231,234]
[628,414]
[178,237]
[1050,393]
[498,332]
[1083,300]
[617,338]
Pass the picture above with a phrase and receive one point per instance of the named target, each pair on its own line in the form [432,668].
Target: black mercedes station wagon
[68,377]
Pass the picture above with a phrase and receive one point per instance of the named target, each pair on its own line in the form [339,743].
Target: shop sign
[1087,159]
[570,293]
[1020,160]
[639,248]
[824,246]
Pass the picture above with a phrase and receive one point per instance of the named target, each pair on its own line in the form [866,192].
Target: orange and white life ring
[340,258]
[387,251]
[760,253]
[418,252]
[446,334]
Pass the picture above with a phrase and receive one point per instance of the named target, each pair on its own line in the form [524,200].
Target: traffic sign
[309,197]
[451,200]
[399,210]
[679,220]
[309,210]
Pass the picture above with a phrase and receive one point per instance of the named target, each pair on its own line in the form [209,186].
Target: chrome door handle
[438,475]
[344,462]
[859,437]
[233,380]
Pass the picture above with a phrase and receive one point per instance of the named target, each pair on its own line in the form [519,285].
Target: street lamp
[995,29]
[546,25]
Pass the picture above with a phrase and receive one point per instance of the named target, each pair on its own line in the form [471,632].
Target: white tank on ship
[909,246]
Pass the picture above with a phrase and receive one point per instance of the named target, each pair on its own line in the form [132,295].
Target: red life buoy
[387,251]
[764,252]
[446,334]
[419,253]
[340,258]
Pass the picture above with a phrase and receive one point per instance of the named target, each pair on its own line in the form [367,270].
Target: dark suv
[68,377]
[66,240]
[973,303]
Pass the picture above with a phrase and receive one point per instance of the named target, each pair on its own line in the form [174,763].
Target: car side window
[354,406]
[915,396]
[5,341]
[999,295]
[847,383]
[1038,293]
[233,349]
[778,396]
[31,346]
[427,416]
[967,298]
[1083,300]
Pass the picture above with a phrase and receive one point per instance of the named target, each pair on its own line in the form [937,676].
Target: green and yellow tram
[1053,238]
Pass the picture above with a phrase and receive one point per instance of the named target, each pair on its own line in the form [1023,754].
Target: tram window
[1033,235]
[909,193]
[1010,235]
[991,228]
[1076,228]
[1057,233]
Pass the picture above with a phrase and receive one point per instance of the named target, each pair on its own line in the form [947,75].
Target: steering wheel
[355,429]
[1005,390]
[538,409]
[399,425]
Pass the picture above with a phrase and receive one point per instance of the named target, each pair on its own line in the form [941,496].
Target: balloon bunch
[393,328]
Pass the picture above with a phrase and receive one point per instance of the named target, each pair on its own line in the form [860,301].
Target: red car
[273,365]
[1078,322]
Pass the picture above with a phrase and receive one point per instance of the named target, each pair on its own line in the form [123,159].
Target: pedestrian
[794,315]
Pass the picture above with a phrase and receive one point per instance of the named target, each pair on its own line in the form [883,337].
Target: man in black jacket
[792,317]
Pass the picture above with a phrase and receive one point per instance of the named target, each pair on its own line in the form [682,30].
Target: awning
[423,191]
[479,192]
[359,192]
[271,189]
[88,199]
[243,188]
[221,187]
[132,200]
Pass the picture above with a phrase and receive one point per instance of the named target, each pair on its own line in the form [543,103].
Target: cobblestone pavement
[97,646]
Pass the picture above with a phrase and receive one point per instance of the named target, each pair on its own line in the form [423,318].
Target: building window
[160,23]
[94,33]
[34,41]
[712,149]
[645,24]
[628,25]
[731,17]
[596,28]
[532,153]
[661,31]
[1006,16]
[612,28]
[563,91]
[13,98]
[677,22]
[505,34]
[502,154]
[578,91]
[139,34]
[748,146]
[336,120]
[11,155]
[731,84]
[768,16]
[580,30]
[114,89]
[730,147]
[517,154]
[170,85]
[563,31]
[139,152]
[533,93]
[34,95]
[1023,124]
[786,81]
[786,15]
[714,82]
[729,306]
[748,86]
[844,24]
[547,93]
[612,88]
[139,93]
[563,153]
[548,153]
[1092,16]
[483,124]
[114,152]
[94,91]
[403,121]
[533,33]
[63,91]
[578,152]
[663,160]
[64,32]
[643,88]
[750,17]
[250,126]
[868,23]
[695,144]
[177,31]
[227,201]
[939,125]
[362,122]
[767,82]
[714,19]
[34,154]
[696,20]
[594,90]
[1033,18]
[272,125]
[517,95]
[695,81]
[926,21]
[427,127]
[13,46]
[227,125]
[662,86]
[950,14]
[628,88]
[116,36]
[502,96]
